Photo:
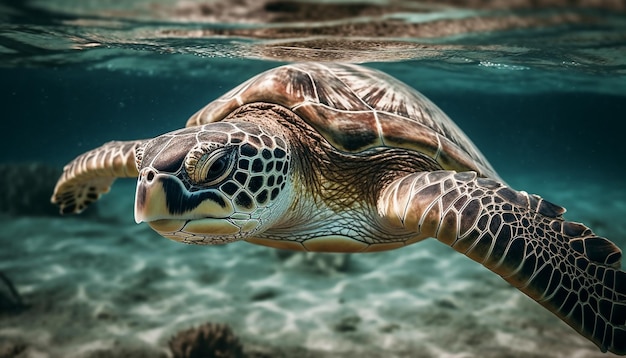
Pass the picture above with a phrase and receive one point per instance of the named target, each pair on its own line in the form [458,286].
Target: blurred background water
[539,86]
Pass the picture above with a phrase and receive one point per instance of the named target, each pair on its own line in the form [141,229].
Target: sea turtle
[343,158]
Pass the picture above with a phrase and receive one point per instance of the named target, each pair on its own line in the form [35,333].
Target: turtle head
[212,184]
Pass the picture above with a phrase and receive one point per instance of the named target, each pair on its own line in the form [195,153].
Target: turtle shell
[356,108]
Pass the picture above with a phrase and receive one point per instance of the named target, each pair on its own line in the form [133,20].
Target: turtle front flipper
[523,238]
[91,174]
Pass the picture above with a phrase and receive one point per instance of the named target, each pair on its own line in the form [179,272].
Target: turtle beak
[150,197]
[162,196]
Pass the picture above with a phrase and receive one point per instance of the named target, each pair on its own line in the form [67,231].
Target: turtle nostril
[150,176]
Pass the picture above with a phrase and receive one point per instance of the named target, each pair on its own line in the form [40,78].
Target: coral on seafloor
[12,349]
[207,341]
[10,299]
[26,188]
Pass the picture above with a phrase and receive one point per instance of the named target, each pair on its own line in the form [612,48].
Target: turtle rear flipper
[523,238]
[91,174]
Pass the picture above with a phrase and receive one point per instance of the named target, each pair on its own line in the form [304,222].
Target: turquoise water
[541,91]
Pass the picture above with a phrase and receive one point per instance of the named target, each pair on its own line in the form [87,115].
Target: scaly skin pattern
[91,174]
[212,184]
[523,238]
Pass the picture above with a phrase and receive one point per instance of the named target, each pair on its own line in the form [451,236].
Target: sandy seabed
[103,286]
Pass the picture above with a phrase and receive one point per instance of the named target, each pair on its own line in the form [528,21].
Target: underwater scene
[538,87]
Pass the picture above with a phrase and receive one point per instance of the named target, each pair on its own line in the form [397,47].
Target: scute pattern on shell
[356,108]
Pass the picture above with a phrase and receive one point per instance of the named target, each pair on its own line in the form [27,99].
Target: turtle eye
[212,167]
